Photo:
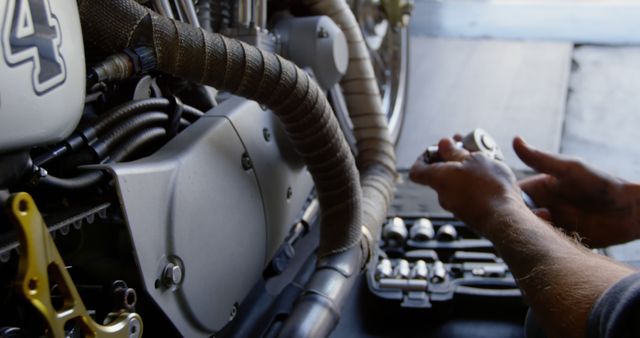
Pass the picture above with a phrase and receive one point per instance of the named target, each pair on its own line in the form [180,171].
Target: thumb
[540,161]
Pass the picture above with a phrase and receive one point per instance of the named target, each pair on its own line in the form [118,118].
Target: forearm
[560,279]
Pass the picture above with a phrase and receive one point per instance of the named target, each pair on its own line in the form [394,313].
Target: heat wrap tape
[231,65]
[376,155]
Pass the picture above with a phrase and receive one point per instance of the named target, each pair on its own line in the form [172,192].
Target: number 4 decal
[31,34]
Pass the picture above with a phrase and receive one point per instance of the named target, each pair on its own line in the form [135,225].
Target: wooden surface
[506,87]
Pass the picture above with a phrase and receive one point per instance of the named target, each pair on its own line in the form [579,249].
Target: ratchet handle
[476,141]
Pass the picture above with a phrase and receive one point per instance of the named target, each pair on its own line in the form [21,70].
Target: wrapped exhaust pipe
[227,64]
[376,154]
[313,316]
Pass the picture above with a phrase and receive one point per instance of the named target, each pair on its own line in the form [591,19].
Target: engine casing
[42,72]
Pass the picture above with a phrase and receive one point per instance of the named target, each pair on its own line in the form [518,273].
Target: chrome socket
[384,269]
[420,270]
[447,233]
[422,230]
[439,273]
[402,270]
[395,232]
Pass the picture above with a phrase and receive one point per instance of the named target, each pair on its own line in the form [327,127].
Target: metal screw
[246,162]
[5,256]
[267,134]
[322,33]
[172,275]
[65,230]
[234,312]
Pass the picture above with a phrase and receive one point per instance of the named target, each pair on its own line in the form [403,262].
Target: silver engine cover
[42,72]
[198,203]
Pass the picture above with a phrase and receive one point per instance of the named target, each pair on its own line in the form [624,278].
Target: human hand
[471,185]
[600,208]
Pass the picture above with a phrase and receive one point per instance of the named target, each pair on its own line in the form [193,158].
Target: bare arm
[560,278]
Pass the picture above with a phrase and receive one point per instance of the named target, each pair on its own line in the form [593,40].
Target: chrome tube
[260,14]
[243,16]
[163,7]
[188,12]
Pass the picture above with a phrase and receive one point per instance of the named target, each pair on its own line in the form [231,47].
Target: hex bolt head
[172,275]
[247,164]
[323,33]
[266,134]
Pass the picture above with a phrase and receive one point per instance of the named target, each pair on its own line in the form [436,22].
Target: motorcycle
[183,167]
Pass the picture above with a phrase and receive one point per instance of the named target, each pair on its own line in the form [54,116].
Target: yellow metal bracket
[398,11]
[41,267]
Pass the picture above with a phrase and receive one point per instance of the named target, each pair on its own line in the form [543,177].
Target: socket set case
[426,260]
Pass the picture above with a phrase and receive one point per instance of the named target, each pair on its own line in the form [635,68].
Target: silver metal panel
[589,22]
[284,181]
[42,77]
[192,203]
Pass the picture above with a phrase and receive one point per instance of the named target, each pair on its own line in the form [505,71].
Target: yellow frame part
[40,261]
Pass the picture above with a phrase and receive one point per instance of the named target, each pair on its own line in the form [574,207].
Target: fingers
[449,152]
[433,175]
[539,160]
[539,188]
[458,137]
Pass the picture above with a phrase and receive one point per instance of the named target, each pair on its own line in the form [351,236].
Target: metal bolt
[65,230]
[266,134]
[172,275]
[124,297]
[246,162]
[234,312]
[322,33]
[5,257]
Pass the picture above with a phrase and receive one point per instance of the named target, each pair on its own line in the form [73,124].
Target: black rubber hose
[105,144]
[127,110]
[80,182]
[117,115]
[190,113]
[138,142]
[121,153]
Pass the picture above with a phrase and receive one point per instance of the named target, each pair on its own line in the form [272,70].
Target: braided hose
[227,64]
[376,155]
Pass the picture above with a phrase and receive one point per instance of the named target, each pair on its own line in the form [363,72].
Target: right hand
[601,209]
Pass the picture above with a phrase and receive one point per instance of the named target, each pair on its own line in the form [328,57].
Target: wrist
[505,212]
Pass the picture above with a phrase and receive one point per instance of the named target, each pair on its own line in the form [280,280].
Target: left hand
[470,185]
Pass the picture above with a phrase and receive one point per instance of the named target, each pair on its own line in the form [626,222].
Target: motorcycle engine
[167,192]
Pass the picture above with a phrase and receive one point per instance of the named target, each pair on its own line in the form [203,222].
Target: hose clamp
[367,246]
